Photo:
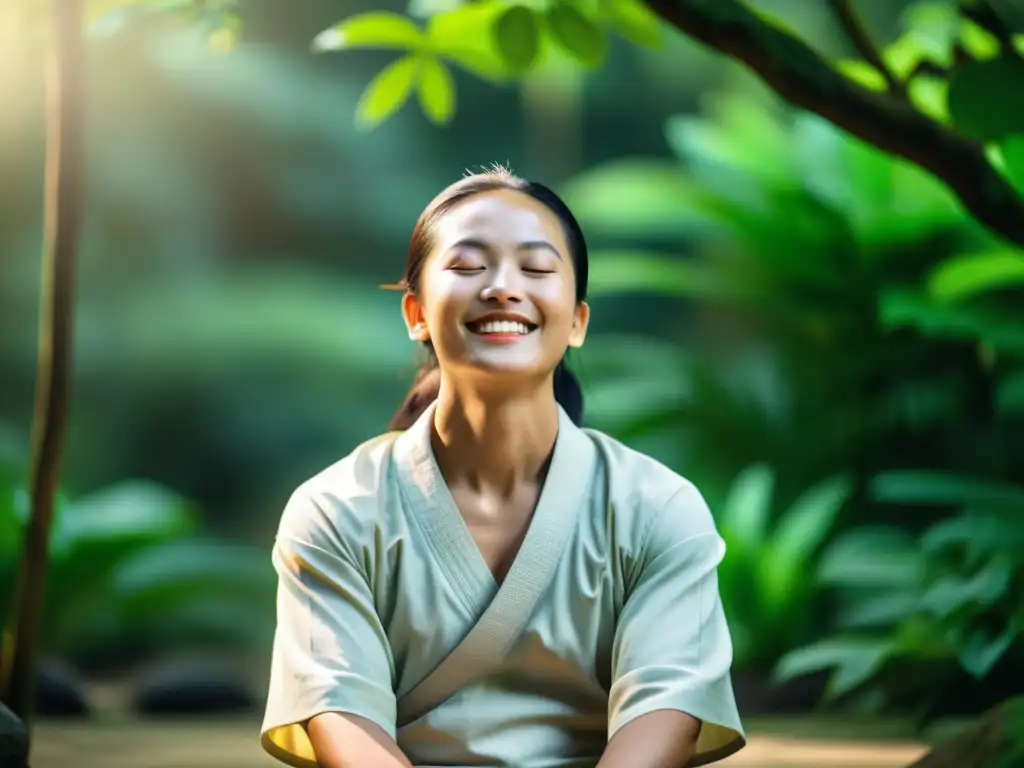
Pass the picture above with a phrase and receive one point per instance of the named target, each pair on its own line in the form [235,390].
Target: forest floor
[233,743]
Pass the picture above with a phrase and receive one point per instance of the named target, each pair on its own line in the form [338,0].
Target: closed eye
[540,271]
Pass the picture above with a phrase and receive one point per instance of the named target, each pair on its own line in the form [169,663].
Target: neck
[494,442]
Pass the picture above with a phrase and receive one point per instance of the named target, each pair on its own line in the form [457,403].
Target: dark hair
[428,381]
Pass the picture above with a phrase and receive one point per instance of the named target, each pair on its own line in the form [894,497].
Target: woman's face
[498,293]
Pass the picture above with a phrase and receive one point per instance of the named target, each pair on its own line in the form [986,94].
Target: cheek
[557,301]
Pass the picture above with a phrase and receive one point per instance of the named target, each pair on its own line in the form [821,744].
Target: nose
[502,288]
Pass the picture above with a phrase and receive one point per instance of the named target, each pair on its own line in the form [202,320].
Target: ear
[415,321]
[580,320]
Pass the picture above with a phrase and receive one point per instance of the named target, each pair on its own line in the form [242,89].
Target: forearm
[349,741]
[662,739]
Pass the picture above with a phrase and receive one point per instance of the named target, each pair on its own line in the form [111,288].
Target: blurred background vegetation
[814,332]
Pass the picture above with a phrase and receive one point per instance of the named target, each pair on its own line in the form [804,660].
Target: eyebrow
[526,245]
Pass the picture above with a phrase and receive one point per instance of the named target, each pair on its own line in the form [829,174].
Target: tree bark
[803,78]
[63,200]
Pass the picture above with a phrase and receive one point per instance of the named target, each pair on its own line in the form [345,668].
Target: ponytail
[427,384]
[569,393]
[423,392]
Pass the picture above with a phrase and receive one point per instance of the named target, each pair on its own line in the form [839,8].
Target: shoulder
[656,502]
[342,504]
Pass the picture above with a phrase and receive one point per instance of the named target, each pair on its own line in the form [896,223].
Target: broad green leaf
[980,534]
[580,36]
[924,487]
[170,573]
[130,509]
[887,558]
[903,309]
[863,74]
[634,21]
[1012,151]
[951,594]
[981,98]
[624,272]
[877,608]
[743,518]
[376,29]
[854,660]
[464,37]
[805,525]
[981,650]
[436,90]
[795,539]
[387,92]
[517,38]
[633,199]
[964,277]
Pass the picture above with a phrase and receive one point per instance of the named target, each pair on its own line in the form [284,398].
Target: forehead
[500,215]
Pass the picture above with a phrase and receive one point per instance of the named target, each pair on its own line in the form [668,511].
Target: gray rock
[191,688]
[13,740]
[59,692]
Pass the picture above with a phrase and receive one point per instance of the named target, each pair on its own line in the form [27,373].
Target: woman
[490,584]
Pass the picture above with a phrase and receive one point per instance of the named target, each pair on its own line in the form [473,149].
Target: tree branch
[807,81]
[858,35]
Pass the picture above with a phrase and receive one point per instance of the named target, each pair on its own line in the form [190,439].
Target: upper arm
[331,653]
[672,649]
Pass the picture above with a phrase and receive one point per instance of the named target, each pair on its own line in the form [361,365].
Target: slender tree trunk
[63,200]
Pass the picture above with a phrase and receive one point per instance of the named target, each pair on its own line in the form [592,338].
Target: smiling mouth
[500,328]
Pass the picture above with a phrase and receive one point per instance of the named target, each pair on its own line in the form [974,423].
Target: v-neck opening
[446,529]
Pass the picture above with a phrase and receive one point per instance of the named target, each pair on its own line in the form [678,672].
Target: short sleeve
[672,648]
[330,650]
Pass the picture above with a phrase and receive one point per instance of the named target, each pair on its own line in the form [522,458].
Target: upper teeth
[502,326]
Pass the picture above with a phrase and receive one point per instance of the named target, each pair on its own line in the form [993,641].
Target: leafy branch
[882,106]
[802,77]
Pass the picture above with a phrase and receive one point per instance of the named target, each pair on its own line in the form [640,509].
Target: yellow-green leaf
[580,36]
[387,92]
[378,29]
[464,37]
[517,38]
[929,95]
[978,42]
[903,56]
[436,90]
[863,74]
[634,21]
[962,277]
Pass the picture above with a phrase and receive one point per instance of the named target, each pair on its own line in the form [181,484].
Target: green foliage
[769,603]
[855,277]
[491,39]
[130,568]
[953,594]
[867,316]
